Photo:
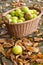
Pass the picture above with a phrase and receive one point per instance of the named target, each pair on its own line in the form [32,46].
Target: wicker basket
[19,30]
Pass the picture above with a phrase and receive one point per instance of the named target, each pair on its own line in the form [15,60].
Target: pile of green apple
[21,15]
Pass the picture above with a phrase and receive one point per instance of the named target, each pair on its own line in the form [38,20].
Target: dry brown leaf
[17,56]
[18,42]
[25,40]
[4,63]
[38,39]
[30,38]
[41,33]
[8,52]
[20,63]
[2,50]
[36,49]
[7,42]
[25,57]
[35,44]
[40,60]
[2,40]
[11,41]
[30,48]
[15,63]
[33,56]
[20,60]
[12,57]
[27,63]
[29,53]
[7,45]
[23,48]
[27,43]
[40,55]
[17,4]
[24,53]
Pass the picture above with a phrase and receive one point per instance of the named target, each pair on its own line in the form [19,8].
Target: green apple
[17,49]
[35,12]
[34,16]
[28,16]
[19,21]
[14,19]
[31,11]
[18,9]
[8,16]
[22,18]
[19,13]
[12,13]
[25,9]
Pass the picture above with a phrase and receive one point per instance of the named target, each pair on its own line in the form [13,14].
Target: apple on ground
[17,49]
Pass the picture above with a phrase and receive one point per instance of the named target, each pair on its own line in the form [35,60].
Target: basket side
[21,30]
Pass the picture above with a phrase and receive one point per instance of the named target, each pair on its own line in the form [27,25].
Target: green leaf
[35,63]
